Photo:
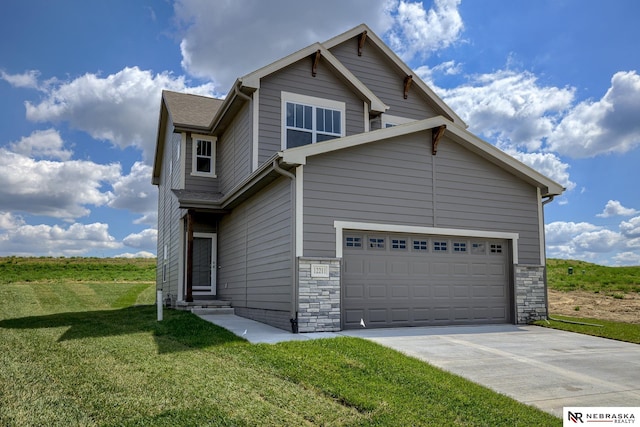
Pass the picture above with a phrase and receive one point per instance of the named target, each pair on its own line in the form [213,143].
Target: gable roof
[186,112]
[299,155]
[400,65]
[252,80]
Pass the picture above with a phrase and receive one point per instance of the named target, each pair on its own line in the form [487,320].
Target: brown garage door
[394,280]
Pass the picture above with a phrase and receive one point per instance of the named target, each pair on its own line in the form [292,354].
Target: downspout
[549,200]
[546,285]
[294,287]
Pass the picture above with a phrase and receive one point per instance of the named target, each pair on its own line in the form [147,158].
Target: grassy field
[592,277]
[47,269]
[84,353]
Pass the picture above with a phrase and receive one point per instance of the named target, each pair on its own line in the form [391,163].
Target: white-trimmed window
[204,155]
[307,120]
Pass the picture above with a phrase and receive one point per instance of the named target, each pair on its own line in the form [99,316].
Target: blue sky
[555,83]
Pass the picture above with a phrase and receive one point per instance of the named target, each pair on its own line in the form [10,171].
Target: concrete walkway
[543,367]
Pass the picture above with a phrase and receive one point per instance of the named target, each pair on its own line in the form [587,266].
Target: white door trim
[214,261]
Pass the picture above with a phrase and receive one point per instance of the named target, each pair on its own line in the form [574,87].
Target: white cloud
[631,228]
[146,239]
[28,79]
[609,125]
[42,143]
[417,32]
[615,208]
[547,164]
[134,192]
[121,108]
[593,243]
[509,107]
[75,240]
[560,232]
[9,221]
[627,258]
[57,189]
[270,30]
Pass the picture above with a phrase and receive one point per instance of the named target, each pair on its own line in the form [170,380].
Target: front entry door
[204,263]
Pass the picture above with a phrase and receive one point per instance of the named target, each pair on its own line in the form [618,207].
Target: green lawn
[80,353]
[629,332]
[592,277]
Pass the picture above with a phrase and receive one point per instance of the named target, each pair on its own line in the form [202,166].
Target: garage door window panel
[440,246]
[478,248]
[421,245]
[459,247]
[377,243]
[398,244]
[353,242]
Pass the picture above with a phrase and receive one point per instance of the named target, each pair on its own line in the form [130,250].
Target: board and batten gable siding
[382,182]
[297,79]
[234,150]
[383,78]
[198,183]
[255,251]
[393,182]
[474,193]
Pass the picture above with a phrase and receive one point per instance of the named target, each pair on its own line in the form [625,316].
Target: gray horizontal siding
[392,183]
[381,76]
[255,251]
[383,182]
[474,193]
[169,216]
[197,183]
[234,149]
[297,78]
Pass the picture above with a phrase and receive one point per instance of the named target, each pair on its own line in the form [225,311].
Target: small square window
[420,245]
[376,242]
[460,247]
[353,242]
[399,244]
[440,246]
[478,248]
[495,248]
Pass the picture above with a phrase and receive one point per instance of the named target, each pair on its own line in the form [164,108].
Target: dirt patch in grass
[617,307]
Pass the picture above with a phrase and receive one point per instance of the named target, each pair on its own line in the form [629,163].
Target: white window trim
[311,101]
[340,226]
[393,120]
[197,137]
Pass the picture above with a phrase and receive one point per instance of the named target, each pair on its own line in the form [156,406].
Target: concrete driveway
[543,367]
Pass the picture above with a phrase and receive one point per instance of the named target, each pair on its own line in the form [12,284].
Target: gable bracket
[407,84]
[314,69]
[361,39]
[436,134]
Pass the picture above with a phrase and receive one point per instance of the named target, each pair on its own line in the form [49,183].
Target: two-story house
[334,187]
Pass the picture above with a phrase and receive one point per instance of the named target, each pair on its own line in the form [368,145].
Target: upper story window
[307,120]
[204,156]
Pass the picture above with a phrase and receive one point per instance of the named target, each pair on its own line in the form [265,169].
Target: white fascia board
[253,80]
[299,155]
[340,226]
[398,62]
